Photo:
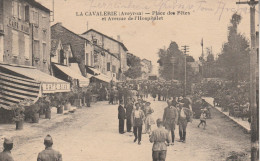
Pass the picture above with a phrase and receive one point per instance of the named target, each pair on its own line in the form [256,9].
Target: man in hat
[49,154]
[6,154]
[121,117]
[160,139]
[170,118]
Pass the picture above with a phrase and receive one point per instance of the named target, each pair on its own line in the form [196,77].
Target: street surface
[91,134]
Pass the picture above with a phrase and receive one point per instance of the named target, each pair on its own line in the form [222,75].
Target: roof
[70,31]
[107,37]
[38,5]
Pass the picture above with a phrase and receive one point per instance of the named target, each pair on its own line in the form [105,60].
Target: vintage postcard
[129,80]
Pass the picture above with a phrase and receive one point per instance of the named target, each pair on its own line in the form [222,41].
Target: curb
[230,118]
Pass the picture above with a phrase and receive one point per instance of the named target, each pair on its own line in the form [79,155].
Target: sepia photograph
[129,80]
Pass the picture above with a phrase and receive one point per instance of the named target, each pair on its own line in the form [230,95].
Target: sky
[207,19]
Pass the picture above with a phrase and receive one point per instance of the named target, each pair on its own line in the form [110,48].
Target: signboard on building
[55,87]
[20,26]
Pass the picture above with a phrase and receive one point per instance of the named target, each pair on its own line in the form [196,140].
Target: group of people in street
[138,115]
[48,154]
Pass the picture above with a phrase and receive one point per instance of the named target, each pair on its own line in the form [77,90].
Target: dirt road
[91,134]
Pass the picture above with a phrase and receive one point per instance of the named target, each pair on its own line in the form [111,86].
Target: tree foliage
[235,53]
[135,67]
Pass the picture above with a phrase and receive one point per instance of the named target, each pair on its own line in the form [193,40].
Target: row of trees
[233,61]
[231,64]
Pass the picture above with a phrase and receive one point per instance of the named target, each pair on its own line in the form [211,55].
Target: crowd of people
[137,112]
[232,98]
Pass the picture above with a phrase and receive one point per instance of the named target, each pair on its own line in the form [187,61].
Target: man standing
[185,116]
[170,118]
[6,154]
[129,110]
[159,137]
[49,154]
[137,122]
[121,117]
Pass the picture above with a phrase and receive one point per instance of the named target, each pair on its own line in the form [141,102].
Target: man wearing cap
[170,118]
[6,154]
[49,154]
[160,139]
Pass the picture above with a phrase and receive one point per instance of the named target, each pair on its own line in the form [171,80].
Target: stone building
[63,65]
[82,48]
[116,47]
[25,33]
[25,53]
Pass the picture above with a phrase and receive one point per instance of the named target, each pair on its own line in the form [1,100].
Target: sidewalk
[31,130]
[244,124]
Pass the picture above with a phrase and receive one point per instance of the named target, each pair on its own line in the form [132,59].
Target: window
[44,54]
[1,48]
[113,69]
[19,11]
[26,46]
[14,9]
[15,43]
[95,41]
[44,35]
[95,57]
[27,13]
[86,59]
[36,49]
[108,66]
[36,17]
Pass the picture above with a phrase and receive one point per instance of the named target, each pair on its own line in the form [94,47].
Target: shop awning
[92,70]
[20,82]
[102,77]
[83,81]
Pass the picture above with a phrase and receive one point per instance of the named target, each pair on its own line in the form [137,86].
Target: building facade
[116,47]
[25,33]
[82,49]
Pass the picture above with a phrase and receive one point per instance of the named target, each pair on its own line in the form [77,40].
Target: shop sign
[20,26]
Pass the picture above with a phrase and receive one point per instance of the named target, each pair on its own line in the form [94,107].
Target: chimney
[59,23]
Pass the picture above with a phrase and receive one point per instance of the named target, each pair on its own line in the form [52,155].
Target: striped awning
[20,82]
[13,89]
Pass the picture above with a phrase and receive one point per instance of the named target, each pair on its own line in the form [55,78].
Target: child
[203,117]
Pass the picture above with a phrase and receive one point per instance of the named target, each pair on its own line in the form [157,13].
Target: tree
[135,67]
[234,58]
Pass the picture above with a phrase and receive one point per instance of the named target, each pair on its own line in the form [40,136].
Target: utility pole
[253,65]
[202,57]
[185,50]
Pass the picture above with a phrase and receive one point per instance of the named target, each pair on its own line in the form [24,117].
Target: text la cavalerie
[107,13]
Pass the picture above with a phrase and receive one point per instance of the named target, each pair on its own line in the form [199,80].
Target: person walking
[129,110]
[49,154]
[121,117]
[6,154]
[137,122]
[160,139]
[170,118]
[185,116]
[149,121]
